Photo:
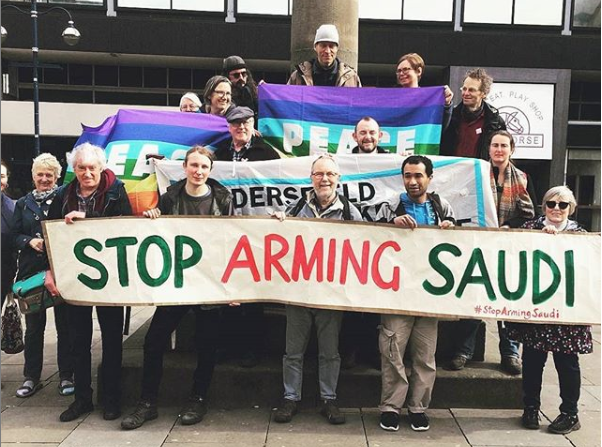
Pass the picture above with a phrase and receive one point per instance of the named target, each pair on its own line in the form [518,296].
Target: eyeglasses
[552,204]
[239,74]
[404,70]
[222,94]
[322,174]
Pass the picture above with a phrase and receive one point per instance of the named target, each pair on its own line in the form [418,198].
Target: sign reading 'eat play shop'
[510,275]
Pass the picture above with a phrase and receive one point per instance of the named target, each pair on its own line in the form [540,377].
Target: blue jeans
[467,334]
[298,330]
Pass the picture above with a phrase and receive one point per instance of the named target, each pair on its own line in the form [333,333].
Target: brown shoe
[286,411]
[511,365]
[331,412]
[457,363]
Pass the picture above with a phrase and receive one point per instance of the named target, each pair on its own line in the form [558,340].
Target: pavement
[33,422]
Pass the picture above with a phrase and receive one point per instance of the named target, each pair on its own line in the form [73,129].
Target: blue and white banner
[261,187]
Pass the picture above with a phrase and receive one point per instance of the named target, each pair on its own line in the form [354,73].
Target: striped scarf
[515,200]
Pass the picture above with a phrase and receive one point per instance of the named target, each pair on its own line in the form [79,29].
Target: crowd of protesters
[473,128]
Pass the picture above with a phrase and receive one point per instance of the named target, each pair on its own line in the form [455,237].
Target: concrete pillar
[308,15]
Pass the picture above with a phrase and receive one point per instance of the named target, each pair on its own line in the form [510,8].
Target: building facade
[146,53]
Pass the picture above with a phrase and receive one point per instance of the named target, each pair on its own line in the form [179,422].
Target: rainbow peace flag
[130,135]
[302,120]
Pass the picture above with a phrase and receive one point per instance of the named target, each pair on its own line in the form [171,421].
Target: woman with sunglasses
[565,342]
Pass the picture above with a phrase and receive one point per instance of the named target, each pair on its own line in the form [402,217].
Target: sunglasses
[239,74]
[562,205]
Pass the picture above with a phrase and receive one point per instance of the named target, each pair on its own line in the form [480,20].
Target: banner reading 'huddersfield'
[304,120]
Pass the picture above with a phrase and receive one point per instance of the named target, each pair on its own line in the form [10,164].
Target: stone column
[308,15]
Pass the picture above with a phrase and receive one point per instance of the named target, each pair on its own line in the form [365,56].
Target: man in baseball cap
[326,69]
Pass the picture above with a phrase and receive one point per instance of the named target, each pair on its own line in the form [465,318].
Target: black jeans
[35,324]
[569,378]
[110,320]
[164,322]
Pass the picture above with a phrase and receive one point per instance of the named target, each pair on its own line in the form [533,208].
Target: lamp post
[71,37]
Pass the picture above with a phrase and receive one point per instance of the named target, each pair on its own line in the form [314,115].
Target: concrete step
[479,385]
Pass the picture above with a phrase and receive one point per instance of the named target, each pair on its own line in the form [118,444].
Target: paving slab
[94,431]
[309,428]
[28,444]
[589,433]
[444,430]
[224,427]
[503,428]
[550,400]
[594,390]
[35,425]
[8,398]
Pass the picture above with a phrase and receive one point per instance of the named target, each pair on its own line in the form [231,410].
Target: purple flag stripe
[362,97]
[178,119]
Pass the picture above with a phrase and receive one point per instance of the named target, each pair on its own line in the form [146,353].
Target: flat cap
[239,113]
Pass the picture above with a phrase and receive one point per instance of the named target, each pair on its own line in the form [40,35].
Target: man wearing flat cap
[244,87]
[247,320]
[243,146]
[326,69]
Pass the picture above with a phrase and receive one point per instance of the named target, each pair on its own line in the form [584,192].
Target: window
[514,12]
[586,13]
[106,75]
[184,5]
[275,7]
[67,2]
[130,76]
[584,102]
[419,10]
[428,10]
[380,9]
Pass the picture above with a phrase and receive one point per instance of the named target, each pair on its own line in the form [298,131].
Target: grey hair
[328,157]
[47,161]
[88,153]
[564,193]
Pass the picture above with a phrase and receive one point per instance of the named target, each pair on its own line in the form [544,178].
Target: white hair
[89,153]
[193,97]
[47,161]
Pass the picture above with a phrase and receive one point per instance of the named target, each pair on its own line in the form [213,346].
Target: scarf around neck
[515,200]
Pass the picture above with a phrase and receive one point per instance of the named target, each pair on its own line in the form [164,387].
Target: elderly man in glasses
[244,87]
[322,202]
[244,144]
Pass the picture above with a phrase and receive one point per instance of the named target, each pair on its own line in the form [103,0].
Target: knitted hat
[327,33]
[233,63]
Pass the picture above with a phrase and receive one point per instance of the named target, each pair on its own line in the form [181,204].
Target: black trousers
[359,334]
[569,378]
[110,320]
[164,322]
[35,325]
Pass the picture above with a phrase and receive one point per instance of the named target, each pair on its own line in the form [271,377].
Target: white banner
[510,275]
[367,181]
[528,110]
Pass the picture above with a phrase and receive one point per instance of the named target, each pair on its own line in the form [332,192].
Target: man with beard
[244,87]
[367,135]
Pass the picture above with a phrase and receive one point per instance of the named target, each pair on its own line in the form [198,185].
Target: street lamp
[71,37]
